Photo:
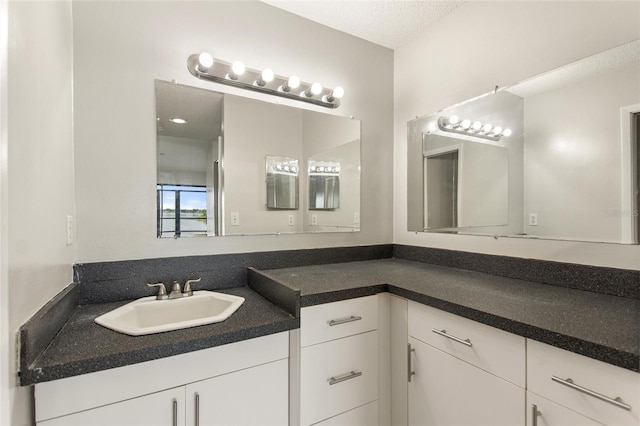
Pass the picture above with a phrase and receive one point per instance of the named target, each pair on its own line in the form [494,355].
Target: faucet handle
[188,291]
[162,291]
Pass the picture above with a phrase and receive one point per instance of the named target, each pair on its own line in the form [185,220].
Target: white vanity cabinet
[339,363]
[585,387]
[244,383]
[461,372]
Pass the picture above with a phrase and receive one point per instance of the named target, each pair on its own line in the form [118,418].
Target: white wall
[484,44]
[121,47]
[38,181]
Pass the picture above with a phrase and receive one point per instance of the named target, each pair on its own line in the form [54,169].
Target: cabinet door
[156,409]
[548,413]
[447,391]
[254,396]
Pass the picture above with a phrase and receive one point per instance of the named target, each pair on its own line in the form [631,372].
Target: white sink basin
[148,315]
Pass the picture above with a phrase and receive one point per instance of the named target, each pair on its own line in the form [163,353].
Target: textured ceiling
[389,23]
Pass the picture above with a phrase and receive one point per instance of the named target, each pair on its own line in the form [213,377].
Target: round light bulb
[293,82]
[294,169]
[487,128]
[476,126]
[316,88]
[465,124]
[205,59]
[338,92]
[267,75]
[278,166]
[453,120]
[286,168]
[506,132]
[312,168]
[496,130]
[237,68]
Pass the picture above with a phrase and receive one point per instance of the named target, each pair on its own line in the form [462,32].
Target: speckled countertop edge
[503,299]
[83,347]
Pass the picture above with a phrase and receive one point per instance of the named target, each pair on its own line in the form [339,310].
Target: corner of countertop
[275,291]
[35,334]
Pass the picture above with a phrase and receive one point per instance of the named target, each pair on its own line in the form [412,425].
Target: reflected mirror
[554,157]
[324,185]
[282,183]
[189,132]
[211,169]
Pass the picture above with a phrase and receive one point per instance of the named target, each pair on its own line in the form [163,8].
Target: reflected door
[442,190]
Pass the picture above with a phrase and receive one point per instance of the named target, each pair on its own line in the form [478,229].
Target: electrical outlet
[314,220]
[533,219]
[69,230]
[235,219]
[290,220]
[356,217]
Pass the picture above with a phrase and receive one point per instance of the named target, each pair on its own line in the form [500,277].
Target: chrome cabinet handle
[444,333]
[410,371]
[197,421]
[175,412]
[352,318]
[534,415]
[617,401]
[350,375]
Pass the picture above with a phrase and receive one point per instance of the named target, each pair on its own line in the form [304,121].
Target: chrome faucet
[176,292]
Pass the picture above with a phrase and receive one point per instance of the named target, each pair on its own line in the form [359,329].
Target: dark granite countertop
[82,346]
[599,326]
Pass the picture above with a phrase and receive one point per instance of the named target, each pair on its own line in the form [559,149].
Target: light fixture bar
[222,72]
[477,129]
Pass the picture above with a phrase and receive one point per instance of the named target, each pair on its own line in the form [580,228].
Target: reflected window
[182,210]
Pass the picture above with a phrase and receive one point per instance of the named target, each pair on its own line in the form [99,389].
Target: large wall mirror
[554,157]
[229,165]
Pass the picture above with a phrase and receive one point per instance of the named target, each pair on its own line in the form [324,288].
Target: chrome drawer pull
[466,342]
[534,415]
[352,318]
[175,413]
[345,377]
[197,409]
[615,401]
[410,371]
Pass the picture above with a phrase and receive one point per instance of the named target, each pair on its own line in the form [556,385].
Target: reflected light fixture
[178,120]
[236,74]
[476,128]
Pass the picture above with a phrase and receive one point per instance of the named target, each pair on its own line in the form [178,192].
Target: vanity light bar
[453,124]
[331,170]
[235,74]
[285,169]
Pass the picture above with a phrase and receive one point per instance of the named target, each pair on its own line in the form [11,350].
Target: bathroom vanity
[380,341]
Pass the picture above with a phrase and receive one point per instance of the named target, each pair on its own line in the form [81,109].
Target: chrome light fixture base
[476,129]
[218,71]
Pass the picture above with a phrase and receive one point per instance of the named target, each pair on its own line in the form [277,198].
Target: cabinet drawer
[330,321]
[367,415]
[545,362]
[496,351]
[337,376]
